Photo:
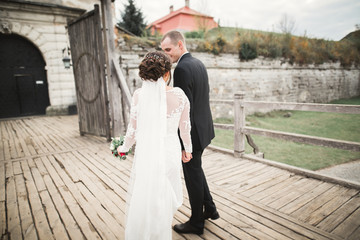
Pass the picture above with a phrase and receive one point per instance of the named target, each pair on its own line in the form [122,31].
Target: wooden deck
[55,184]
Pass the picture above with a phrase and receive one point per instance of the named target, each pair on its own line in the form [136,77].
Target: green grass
[329,125]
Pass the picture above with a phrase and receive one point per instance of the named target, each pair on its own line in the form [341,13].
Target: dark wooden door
[87,53]
[23,83]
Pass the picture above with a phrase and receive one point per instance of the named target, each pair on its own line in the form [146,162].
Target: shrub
[194,34]
[247,52]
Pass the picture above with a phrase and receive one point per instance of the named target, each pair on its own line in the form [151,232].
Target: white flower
[112,147]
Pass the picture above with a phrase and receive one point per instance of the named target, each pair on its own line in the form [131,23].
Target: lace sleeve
[130,136]
[185,126]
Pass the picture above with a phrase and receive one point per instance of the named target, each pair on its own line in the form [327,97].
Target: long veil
[148,194]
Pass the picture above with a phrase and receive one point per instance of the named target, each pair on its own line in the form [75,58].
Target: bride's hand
[186,157]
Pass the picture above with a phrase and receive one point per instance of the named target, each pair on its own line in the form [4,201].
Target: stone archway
[23,84]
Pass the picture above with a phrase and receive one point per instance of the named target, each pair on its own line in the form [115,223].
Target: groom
[191,76]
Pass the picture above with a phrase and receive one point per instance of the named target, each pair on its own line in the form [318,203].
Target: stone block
[58,110]
[16,27]
[33,35]
[25,29]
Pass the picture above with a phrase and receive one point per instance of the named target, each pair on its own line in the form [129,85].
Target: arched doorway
[23,83]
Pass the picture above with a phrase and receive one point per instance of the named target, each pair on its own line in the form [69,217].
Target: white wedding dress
[155,188]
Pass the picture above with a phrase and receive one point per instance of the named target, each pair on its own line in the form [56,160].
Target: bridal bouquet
[115,143]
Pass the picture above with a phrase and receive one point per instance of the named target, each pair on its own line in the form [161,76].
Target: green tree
[132,19]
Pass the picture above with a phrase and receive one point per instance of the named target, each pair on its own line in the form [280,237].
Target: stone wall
[44,26]
[43,22]
[263,80]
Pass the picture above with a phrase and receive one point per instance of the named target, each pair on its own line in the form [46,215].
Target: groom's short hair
[175,37]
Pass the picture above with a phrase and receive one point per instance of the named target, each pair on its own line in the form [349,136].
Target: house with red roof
[184,19]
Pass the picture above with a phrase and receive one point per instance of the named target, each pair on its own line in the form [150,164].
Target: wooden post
[239,123]
[115,94]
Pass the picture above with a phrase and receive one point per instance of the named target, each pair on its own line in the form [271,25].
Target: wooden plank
[51,212]
[218,170]
[13,217]
[56,143]
[2,182]
[349,226]
[21,138]
[48,161]
[69,210]
[240,176]
[306,197]
[2,149]
[221,101]
[24,125]
[355,235]
[14,151]
[315,107]
[248,179]
[88,207]
[90,87]
[262,177]
[102,192]
[17,168]
[294,193]
[300,138]
[229,219]
[106,218]
[236,170]
[53,216]
[338,217]
[41,136]
[224,126]
[18,141]
[41,223]
[31,146]
[38,180]
[239,123]
[71,170]
[251,208]
[7,154]
[249,222]
[44,140]
[266,185]
[305,211]
[27,223]
[272,191]
[326,209]
[102,174]
[283,192]
[3,229]
[5,140]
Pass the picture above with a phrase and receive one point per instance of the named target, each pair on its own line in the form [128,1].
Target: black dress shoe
[214,215]
[187,228]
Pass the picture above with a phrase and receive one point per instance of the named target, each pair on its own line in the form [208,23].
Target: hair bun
[154,65]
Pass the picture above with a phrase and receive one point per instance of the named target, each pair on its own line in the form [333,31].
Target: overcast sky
[328,19]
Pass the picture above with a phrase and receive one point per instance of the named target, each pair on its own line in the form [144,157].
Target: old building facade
[33,42]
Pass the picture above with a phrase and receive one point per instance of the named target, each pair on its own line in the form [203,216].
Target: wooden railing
[241,131]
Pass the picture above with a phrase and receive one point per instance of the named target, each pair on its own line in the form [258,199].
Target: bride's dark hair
[154,65]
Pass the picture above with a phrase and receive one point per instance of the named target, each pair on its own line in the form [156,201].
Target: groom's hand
[186,157]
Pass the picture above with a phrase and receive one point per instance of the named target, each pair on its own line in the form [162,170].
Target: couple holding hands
[168,124]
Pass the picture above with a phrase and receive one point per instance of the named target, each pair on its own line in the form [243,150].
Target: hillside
[250,44]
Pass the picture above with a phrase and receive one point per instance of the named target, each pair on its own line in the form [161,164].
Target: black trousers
[198,190]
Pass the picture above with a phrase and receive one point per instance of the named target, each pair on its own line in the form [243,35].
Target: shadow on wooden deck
[55,184]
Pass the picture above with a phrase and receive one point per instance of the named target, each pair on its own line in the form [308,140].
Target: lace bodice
[178,109]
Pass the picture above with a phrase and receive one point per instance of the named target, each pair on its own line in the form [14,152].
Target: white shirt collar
[181,57]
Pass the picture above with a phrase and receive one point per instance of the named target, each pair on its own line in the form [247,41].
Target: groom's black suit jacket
[191,76]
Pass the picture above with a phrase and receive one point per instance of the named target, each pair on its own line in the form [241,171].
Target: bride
[155,188]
